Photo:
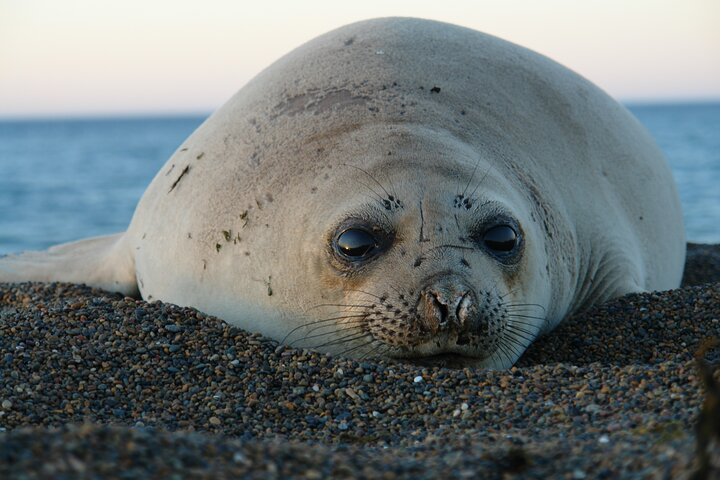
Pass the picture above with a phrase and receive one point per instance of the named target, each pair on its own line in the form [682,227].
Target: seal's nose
[444,306]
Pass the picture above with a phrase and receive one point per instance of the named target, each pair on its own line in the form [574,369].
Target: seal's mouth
[445,360]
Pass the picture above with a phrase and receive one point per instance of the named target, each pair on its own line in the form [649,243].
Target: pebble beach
[94,385]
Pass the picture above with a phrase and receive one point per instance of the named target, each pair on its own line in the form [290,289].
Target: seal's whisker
[338,324]
[518,332]
[528,317]
[536,305]
[379,297]
[315,322]
[513,342]
[502,349]
[522,311]
[347,338]
[398,292]
[319,335]
[343,305]
[535,328]
[517,348]
[345,352]
[502,297]
[373,350]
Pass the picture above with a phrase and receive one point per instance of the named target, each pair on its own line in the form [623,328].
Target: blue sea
[61,180]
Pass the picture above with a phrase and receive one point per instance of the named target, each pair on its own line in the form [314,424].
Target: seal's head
[436,266]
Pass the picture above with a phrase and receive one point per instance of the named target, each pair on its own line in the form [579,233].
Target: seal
[398,188]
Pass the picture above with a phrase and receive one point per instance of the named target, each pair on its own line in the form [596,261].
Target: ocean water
[61,180]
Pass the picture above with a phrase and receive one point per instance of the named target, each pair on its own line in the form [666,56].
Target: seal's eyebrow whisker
[472,194]
[472,175]
[371,177]
[379,197]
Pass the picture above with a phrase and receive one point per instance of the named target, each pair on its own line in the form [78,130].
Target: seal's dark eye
[500,239]
[355,243]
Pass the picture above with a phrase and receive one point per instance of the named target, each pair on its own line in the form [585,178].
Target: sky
[101,57]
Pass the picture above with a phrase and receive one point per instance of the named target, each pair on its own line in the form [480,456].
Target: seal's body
[402,188]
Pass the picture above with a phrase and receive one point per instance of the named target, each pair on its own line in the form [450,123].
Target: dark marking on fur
[182,174]
[422,225]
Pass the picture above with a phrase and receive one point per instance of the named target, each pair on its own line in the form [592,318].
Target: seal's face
[425,267]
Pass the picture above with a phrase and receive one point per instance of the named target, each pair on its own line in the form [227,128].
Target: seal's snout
[446,306]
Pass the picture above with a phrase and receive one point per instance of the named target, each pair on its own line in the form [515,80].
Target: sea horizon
[70,177]
[160,114]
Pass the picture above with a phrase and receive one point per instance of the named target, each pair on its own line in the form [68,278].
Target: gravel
[94,385]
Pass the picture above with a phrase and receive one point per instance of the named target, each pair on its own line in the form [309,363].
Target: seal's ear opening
[103,262]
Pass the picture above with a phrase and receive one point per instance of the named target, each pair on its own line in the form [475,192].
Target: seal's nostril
[442,309]
[462,311]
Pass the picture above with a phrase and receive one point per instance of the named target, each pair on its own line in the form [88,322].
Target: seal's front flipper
[104,262]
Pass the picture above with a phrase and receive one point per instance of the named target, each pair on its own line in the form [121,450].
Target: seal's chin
[445,360]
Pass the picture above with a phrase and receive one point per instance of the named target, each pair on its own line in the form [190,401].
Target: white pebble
[418,379]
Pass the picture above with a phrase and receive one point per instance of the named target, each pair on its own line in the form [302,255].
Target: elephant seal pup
[398,188]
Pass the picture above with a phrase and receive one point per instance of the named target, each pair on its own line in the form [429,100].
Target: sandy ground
[94,385]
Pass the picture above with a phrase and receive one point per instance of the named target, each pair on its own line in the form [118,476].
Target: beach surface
[94,385]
